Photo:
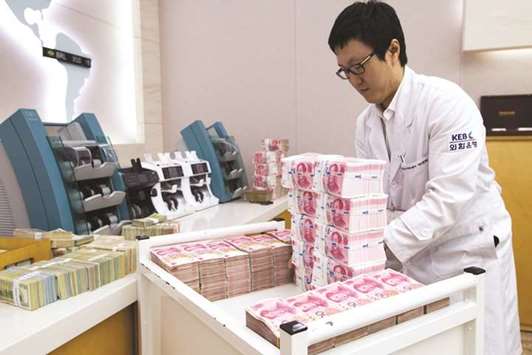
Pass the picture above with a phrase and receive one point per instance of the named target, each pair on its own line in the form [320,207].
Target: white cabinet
[495,24]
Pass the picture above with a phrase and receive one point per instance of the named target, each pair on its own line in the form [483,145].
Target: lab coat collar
[396,108]
[400,99]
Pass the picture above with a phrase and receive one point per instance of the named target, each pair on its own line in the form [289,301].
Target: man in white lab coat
[448,209]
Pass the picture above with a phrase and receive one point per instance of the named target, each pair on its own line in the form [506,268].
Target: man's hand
[391,261]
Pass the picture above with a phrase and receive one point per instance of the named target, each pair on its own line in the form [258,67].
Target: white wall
[123,85]
[102,31]
[497,72]
[206,46]
[229,61]
[265,69]
[490,24]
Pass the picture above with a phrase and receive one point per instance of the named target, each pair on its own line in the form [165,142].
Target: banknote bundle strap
[17,291]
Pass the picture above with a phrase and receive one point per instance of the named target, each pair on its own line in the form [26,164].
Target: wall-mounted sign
[507,115]
[66,57]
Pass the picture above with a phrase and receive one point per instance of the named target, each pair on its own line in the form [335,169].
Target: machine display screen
[200,168]
[172,172]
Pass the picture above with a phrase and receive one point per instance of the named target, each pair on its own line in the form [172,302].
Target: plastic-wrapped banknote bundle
[267,167]
[27,289]
[131,231]
[61,241]
[339,212]
[356,214]
[266,316]
[117,243]
[370,287]
[275,144]
[109,265]
[67,277]
[36,285]
[314,305]
[151,220]
[362,249]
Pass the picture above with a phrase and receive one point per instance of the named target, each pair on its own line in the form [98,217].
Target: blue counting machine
[214,144]
[59,176]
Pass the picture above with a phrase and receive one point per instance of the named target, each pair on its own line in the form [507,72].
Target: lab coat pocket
[412,178]
[470,245]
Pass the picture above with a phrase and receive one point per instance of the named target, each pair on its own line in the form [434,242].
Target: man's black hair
[373,23]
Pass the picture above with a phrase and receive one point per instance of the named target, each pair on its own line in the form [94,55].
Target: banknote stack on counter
[155,224]
[62,241]
[266,316]
[94,265]
[117,243]
[229,267]
[339,214]
[267,167]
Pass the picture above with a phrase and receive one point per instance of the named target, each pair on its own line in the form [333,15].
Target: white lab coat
[443,191]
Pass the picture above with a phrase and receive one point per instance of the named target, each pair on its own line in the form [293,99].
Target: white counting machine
[183,184]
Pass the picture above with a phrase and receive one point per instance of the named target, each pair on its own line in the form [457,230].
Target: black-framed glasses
[356,69]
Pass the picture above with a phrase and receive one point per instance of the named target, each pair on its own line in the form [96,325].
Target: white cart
[174,319]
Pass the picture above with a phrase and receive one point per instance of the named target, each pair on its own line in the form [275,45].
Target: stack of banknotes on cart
[265,317]
[222,268]
[93,265]
[338,217]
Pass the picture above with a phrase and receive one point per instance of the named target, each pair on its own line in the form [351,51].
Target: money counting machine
[173,184]
[215,145]
[67,175]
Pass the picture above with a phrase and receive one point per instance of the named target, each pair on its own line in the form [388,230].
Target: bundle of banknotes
[237,268]
[229,267]
[275,144]
[266,316]
[151,220]
[62,241]
[267,167]
[106,266]
[269,259]
[211,269]
[181,264]
[117,243]
[94,265]
[338,215]
[333,174]
[151,226]
[27,289]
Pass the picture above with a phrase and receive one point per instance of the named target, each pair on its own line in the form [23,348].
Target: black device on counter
[507,115]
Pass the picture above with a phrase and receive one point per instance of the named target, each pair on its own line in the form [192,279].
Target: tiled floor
[526,339]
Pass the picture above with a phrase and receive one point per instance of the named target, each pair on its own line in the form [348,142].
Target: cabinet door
[512,162]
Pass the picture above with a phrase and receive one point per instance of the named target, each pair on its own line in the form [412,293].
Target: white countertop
[231,214]
[43,330]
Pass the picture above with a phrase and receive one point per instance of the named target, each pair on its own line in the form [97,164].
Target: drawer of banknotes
[18,251]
